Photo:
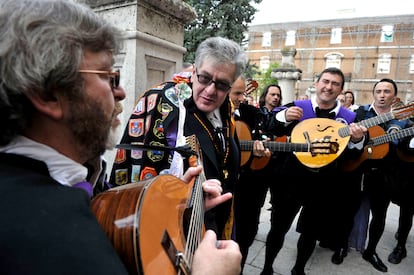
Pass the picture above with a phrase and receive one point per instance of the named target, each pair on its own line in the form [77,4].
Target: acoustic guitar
[246,146]
[157,224]
[321,128]
[378,145]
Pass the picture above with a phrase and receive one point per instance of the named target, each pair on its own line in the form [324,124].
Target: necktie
[322,113]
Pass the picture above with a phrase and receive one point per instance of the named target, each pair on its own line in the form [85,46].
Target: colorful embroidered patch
[171,95]
[147,173]
[120,156]
[140,107]
[158,129]
[136,127]
[183,91]
[136,154]
[155,155]
[152,99]
[164,109]
[121,176]
[159,86]
[136,169]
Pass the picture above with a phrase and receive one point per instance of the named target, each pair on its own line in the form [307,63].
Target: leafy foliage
[226,18]
[265,77]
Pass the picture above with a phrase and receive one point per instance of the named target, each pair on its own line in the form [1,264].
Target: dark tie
[322,113]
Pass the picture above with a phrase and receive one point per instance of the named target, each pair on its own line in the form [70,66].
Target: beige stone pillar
[287,74]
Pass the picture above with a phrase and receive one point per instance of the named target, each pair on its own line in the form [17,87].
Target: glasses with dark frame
[207,80]
[114,76]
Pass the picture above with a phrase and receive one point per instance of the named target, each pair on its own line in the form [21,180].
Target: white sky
[270,11]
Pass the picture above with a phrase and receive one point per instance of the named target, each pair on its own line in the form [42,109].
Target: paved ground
[320,262]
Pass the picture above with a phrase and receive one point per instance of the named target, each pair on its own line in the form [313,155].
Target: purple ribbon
[86,186]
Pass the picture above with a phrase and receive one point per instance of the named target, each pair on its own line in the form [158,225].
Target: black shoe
[339,255]
[397,255]
[376,262]
[267,271]
[297,272]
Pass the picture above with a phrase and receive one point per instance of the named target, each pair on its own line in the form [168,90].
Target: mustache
[118,108]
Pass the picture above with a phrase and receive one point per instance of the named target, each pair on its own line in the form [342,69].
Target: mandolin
[377,146]
[321,128]
[246,146]
[157,224]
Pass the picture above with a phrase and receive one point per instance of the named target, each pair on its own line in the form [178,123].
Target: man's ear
[51,107]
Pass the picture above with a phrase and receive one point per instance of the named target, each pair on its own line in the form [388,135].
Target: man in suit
[199,105]
[320,196]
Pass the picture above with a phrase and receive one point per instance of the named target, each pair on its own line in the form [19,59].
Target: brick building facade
[365,49]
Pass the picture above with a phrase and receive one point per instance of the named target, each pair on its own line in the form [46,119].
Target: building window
[267,39]
[264,63]
[336,36]
[387,33]
[290,38]
[333,60]
[412,64]
[384,64]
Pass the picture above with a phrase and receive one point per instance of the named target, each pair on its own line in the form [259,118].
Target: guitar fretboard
[398,113]
[393,136]
[247,145]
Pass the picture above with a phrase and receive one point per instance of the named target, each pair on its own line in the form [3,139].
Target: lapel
[193,126]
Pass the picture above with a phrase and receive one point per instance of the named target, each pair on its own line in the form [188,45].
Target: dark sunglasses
[114,76]
[207,80]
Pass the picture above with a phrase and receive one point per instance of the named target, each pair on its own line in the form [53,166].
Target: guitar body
[371,151]
[136,216]
[243,133]
[404,156]
[319,129]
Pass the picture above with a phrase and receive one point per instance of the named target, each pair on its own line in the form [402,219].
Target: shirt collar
[61,168]
[334,110]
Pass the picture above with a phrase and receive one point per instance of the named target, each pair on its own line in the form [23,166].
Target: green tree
[265,78]
[226,18]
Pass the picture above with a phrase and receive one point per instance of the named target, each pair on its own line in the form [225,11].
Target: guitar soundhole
[186,221]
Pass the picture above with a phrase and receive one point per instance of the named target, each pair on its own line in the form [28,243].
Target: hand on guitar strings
[259,150]
[357,132]
[216,257]
[211,187]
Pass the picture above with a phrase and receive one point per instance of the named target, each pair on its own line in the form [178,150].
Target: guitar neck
[368,123]
[393,136]
[247,145]
[403,112]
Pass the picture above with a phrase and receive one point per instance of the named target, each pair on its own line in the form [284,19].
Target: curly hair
[41,48]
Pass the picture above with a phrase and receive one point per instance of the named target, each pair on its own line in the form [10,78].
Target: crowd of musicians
[333,200]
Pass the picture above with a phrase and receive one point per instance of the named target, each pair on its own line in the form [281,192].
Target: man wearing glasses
[199,105]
